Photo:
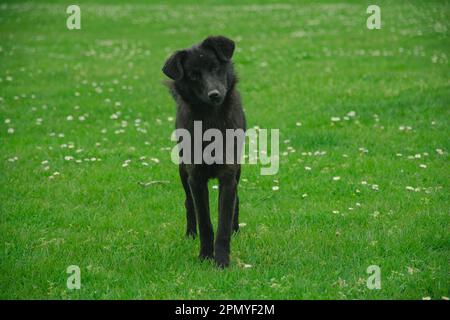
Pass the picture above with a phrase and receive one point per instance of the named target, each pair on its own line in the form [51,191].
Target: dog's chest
[200,123]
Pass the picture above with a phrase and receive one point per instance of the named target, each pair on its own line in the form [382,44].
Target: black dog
[204,88]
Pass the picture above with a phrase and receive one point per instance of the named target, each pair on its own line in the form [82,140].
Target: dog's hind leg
[236,216]
[191,221]
[236,209]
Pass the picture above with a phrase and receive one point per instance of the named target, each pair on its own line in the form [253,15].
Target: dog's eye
[195,75]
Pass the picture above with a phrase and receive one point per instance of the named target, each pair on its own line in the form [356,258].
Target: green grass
[298,62]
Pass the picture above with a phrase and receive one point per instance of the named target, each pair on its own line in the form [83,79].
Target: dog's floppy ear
[222,46]
[173,67]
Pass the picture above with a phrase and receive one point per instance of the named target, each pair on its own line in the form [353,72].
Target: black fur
[204,88]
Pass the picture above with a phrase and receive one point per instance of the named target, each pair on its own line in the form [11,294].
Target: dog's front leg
[199,190]
[227,203]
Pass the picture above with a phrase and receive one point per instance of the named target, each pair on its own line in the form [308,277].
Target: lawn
[364,139]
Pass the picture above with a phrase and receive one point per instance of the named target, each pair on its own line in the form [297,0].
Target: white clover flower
[364,150]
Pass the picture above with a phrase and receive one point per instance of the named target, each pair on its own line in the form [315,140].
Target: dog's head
[204,71]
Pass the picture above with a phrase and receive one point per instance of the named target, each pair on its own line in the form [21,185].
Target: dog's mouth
[216,101]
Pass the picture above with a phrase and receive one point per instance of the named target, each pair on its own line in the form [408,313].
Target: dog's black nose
[214,95]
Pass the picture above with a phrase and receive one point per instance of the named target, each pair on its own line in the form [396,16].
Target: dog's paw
[222,261]
[191,234]
[206,256]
